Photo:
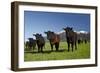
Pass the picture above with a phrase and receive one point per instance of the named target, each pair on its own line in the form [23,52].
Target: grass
[82,52]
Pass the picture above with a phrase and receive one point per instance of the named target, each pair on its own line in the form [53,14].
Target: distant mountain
[45,38]
[81,35]
[83,32]
[62,35]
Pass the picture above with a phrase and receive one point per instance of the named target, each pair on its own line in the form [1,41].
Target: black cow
[40,42]
[80,41]
[31,44]
[71,37]
[85,41]
[54,39]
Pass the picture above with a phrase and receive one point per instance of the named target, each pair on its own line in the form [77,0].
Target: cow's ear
[64,28]
[52,32]
[40,34]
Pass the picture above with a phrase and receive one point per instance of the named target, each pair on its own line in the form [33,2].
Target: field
[82,52]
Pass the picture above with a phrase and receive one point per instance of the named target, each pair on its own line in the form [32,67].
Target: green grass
[82,52]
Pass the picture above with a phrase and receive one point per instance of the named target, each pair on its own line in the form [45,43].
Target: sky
[39,22]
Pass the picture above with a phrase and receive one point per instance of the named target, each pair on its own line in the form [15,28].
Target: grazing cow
[31,43]
[40,42]
[54,39]
[71,37]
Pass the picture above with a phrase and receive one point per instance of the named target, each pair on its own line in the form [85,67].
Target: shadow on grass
[47,51]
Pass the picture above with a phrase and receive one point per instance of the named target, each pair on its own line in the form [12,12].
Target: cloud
[62,31]
[78,32]
[82,31]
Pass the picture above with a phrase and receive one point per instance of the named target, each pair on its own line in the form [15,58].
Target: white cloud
[78,32]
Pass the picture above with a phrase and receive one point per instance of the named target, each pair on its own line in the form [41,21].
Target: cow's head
[30,39]
[67,29]
[37,36]
[49,34]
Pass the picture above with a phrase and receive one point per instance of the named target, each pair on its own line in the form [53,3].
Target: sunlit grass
[82,52]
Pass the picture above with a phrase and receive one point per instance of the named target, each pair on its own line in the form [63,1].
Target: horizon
[39,22]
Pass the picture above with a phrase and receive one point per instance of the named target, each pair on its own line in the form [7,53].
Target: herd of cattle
[54,39]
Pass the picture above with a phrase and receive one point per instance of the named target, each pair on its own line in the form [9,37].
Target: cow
[40,42]
[85,41]
[54,39]
[80,41]
[31,44]
[71,38]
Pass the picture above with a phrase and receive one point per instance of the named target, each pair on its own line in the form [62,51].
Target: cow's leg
[72,46]
[30,48]
[33,47]
[51,47]
[38,48]
[68,46]
[75,46]
[57,46]
[41,49]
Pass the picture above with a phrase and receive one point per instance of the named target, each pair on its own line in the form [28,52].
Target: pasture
[82,52]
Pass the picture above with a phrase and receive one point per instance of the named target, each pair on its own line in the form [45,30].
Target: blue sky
[38,22]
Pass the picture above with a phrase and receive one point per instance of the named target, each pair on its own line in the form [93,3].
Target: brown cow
[54,39]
